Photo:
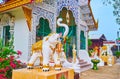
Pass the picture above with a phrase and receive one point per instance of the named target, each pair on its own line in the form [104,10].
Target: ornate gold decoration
[67,17]
[30,64]
[38,0]
[13,4]
[37,46]
[59,47]
[46,66]
[28,16]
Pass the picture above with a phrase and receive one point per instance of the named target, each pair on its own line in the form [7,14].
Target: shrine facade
[30,21]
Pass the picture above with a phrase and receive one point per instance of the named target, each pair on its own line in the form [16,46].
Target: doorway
[71,38]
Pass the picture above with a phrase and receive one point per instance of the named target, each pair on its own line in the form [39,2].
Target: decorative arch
[63,14]
[42,29]
[39,12]
[71,5]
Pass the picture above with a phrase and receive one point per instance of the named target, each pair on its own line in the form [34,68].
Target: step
[84,62]
[81,60]
[84,65]
[85,68]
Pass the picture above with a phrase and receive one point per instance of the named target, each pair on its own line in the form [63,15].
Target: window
[42,29]
[82,40]
[6,34]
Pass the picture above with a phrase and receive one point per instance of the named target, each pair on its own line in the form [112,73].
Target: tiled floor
[104,72]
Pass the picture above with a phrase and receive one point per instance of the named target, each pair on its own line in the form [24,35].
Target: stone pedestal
[39,74]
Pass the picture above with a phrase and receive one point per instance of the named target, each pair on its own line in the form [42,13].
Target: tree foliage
[117,53]
[116,5]
[89,42]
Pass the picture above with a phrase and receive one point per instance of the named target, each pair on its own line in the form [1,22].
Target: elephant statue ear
[63,25]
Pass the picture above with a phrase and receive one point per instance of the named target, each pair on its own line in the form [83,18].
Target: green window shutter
[6,34]
[82,40]
[42,29]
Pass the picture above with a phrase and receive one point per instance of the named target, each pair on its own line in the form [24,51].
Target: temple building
[30,20]
[97,40]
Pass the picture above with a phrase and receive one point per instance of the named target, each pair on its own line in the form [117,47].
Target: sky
[1,1]
[107,23]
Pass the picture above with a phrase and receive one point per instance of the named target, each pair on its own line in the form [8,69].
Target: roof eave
[95,22]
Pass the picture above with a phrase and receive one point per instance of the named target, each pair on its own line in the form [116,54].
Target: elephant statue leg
[41,62]
[32,60]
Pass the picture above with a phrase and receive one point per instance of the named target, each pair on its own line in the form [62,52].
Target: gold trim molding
[13,4]
[28,16]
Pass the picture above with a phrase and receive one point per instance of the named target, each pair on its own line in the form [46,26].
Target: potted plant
[117,53]
[95,62]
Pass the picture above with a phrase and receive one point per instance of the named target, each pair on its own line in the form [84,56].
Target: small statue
[74,53]
[59,56]
[109,60]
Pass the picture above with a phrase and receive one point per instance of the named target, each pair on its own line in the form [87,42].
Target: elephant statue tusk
[63,25]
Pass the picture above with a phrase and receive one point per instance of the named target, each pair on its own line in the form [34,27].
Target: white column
[78,32]
[78,38]
[11,30]
[86,35]
[55,17]
[12,24]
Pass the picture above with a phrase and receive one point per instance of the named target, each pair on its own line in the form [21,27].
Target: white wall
[83,54]
[21,34]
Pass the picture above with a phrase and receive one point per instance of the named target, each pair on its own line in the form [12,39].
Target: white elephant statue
[43,49]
